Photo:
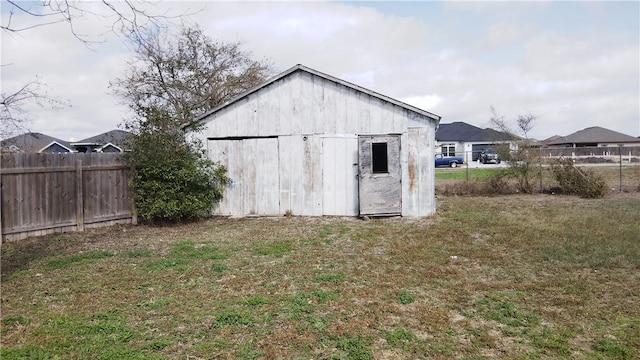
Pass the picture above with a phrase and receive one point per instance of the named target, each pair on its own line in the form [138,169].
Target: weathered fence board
[48,193]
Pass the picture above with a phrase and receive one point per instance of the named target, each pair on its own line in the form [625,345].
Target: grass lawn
[523,277]
[461,173]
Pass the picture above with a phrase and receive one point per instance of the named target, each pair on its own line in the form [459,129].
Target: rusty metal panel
[418,184]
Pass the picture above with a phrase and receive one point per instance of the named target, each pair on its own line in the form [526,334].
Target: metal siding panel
[248,180]
[352,123]
[267,180]
[329,166]
[291,167]
[342,116]
[297,176]
[312,176]
[362,105]
[379,124]
[295,94]
[238,164]
[330,108]
[419,186]
[410,174]
[351,182]
[317,105]
[365,113]
[285,168]
[274,107]
[284,113]
[263,117]
[250,113]
[340,189]
[306,104]
[399,120]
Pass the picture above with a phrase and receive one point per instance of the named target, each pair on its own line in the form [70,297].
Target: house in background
[547,141]
[36,143]
[594,136]
[108,142]
[468,141]
[307,143]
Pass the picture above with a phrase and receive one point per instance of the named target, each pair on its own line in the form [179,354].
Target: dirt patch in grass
[519,276]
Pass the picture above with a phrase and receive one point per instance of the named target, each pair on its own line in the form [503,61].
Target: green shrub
[172,178]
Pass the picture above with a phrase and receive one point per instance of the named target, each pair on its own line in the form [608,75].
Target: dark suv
[489,156]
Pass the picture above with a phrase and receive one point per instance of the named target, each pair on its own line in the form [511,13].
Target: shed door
[380,188]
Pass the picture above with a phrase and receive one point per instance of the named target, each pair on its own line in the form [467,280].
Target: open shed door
[380,189]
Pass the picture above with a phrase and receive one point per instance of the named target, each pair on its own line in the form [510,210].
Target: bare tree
[170,81]
[521,160]
[12,112]
[124,18]
[525,124]
[187,75]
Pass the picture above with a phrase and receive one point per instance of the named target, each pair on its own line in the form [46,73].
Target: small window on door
[379,158]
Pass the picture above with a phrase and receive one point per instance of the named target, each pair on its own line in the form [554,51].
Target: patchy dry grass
[511,277]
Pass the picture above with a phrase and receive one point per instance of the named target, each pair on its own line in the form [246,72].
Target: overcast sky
[571,64]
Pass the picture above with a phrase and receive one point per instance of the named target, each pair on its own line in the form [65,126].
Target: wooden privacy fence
[48,193]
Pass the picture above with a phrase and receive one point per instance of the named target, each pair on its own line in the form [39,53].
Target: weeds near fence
[588,182]
[575,181]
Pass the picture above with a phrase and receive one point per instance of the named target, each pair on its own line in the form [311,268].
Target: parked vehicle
[489,156]
[452,161]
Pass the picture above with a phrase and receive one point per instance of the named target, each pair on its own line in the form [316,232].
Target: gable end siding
[303,103]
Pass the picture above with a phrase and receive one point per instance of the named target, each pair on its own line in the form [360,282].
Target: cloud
[455,59]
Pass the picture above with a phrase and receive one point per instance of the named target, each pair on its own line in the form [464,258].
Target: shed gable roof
[299,67]
[594,134]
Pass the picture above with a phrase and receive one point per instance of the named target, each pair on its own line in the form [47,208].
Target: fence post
[620,154]
[79,197]
[540,167]
[467,163]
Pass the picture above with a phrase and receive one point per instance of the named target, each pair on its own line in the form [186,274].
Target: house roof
[34,142]
[300,67]
[116,137]
[550,139]
[461,131]
[594,135]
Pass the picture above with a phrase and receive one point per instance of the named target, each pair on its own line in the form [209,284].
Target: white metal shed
[307,143]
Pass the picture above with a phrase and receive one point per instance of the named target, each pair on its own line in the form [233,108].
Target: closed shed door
[340,176]
[252,166]
[380,189]
[260,183]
